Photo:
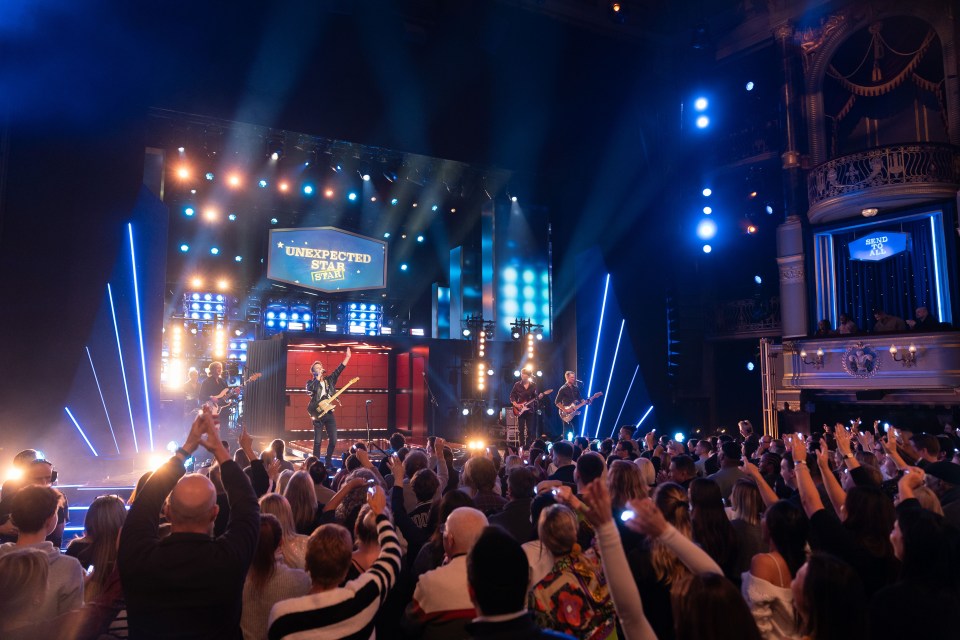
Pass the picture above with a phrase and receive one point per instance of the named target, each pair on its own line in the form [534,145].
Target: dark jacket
[188,585]
[520,628]
[515,520]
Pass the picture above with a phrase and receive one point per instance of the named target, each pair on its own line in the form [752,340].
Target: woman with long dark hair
[766,586]
[712,609]
[268,581]
[98,546]
[830,600]
[711,527]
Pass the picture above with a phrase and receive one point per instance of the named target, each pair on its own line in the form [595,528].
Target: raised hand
[377,500]
[752,470]
[647,518]
[843,441]
[245,440]
[438,446]
[396,469]
[799,448]
[823,454]
[364,458]
[273,470]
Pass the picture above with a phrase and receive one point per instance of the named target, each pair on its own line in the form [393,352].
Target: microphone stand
[366,408]
[433,404]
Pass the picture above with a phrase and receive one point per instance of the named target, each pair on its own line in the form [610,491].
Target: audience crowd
[847,532]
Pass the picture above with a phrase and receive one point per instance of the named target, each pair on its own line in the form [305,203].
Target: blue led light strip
[606,392]
[644,417]
[123,369]
[625,398]
[77,425]
[104,402]
[143,358]
[936,266]
[596,349]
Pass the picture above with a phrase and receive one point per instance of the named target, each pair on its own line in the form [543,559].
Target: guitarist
[213,385]
[524,391]
[569,394]
[321,387]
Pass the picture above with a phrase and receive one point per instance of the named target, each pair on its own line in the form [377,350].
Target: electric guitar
[319,408]
[228,396]
[571,411]
[521,408]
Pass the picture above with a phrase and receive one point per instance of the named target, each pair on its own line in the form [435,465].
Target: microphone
[369,401]
[579,381]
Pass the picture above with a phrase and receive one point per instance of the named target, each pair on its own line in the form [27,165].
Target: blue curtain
[898,285]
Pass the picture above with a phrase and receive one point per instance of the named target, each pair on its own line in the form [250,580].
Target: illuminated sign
[879,245]
[326,259]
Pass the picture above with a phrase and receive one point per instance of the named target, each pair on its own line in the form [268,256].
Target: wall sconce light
[816,362]
[909,359]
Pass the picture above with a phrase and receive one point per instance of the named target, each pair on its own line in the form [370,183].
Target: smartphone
[628,514]
[555,492]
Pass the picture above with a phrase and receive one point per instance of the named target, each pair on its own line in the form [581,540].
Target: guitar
[319,408]
[228,396]
[521,408]
[571,411]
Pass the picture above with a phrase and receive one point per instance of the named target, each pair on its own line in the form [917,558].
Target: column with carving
[790,256]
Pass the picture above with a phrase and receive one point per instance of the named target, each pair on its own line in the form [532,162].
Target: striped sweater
[346,612]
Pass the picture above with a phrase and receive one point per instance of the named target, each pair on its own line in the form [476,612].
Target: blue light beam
[606,392]
[123,369]
[644,417]
[143,358]
[77,425]
[104,402]
[626,397]
[596,349]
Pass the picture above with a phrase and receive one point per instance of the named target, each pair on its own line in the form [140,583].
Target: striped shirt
[346,612]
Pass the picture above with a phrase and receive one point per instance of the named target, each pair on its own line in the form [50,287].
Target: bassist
[321,387]
[569,395]
[521,397]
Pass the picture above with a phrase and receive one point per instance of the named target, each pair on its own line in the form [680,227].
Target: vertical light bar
[143,358]
[644,417]
[936,269]
[123,369]
[606,392]
[104,402]
[624,403]
[77,425]
[596,349]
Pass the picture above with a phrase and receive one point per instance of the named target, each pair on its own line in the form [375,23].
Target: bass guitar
[319,408]
[520,408]
[571,411]
[228,397]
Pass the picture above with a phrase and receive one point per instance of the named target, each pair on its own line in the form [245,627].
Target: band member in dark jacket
[321,387]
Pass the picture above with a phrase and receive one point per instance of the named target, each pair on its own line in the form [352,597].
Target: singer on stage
[322,387]
[569,396]
[523,397]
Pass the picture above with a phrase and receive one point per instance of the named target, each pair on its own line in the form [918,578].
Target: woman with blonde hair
[294,546]
[745,520]
[98,546]
[573,597]
[626,483]
[302,496]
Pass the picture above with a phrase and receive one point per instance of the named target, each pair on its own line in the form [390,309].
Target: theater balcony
[746,318]
[888,177]
[891,368]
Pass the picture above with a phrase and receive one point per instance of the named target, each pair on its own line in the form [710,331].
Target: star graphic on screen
[279,245]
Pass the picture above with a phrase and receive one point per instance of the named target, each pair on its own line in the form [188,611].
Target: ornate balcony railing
[747,318]
[893,176]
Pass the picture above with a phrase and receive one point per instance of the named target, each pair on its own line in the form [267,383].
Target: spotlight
[516,373]
[232,217]
[490,411]
[238,258]
[707,192]
[233,180]
[394,201]
[869,212]
[386,234]
[702,122]
[273,221]
[750,366]
[328,193]
[351,196]
[453,210]
[196,283]
[753,194]
[513,198]
[707,248]
[465,411]
[539,373]
[489,372]
[373,198]
[707,210]
[414,205]
[758,279]
[183,173]
[769,209]
[434,208]
[283,186]
[214,250]
[365,177]
[679,437]
[180,149]
[403,267]
[210,214]
[700,104]
[307,189]
[466,333]
[189,211]
[751,229]
[419,238]
[184,248]
[706,229]
[262,184]
[209,175]
[275,156]
[750,86]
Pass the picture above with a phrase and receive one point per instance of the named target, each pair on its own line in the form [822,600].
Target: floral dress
[573,598]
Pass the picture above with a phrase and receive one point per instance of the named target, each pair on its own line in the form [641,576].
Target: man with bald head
[441,606]
[189,584]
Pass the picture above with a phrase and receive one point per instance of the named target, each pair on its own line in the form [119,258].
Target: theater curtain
[898,285]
